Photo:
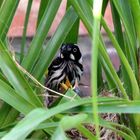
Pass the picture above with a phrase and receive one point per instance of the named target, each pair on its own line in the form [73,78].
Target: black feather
[65,66]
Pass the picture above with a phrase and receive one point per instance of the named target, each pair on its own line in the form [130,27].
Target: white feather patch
[80,60]
[72,56]
[61,55]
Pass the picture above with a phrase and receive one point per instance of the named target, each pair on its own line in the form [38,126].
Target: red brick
[18,21]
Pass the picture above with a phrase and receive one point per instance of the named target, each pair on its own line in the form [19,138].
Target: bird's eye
[74,50]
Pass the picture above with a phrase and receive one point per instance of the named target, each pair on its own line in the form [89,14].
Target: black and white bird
[68,65]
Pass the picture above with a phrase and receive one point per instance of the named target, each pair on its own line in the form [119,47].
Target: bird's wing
[55,66]
[56,62]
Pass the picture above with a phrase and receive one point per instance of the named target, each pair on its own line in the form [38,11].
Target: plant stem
[97,6]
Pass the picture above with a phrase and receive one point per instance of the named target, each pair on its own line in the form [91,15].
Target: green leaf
[54,43]
[113,75]
[111,107]
[1,3]
[124,60]
[8,95]
[126,16]
[2,133]
[85,13]
[4,111]
[11,117]
[135,7]
[15,77]
[72,37]
[97,9]
[34,118]
[23,41]
[87,20]
[41,33]
[108,74]
[42,8]
[7,11]
[86,132]
[119,127]
[104,7]
[23,129]
[64,125]
[125,48]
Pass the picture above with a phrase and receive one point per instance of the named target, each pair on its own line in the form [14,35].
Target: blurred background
[18,22]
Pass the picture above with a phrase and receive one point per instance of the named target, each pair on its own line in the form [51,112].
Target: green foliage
[7,12]
[17,85]
[23,42]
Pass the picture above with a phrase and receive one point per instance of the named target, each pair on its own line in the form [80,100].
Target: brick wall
[18,21]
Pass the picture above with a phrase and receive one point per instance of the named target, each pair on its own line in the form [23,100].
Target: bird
[66,66]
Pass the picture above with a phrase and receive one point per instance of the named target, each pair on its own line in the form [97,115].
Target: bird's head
[71,52]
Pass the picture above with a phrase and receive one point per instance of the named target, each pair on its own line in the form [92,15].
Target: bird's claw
[68,85]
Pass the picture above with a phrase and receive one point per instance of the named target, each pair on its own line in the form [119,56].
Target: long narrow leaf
[4,110]
[11,117]
[7,12]
[15,77]
[23,41]
[132,77]
[126,16]
[135,7]
[33,119]
[64,125]
[8,95]
[87,20]
[125,48]
[42,8]
[72,37]
[41,33]
[86,132]
[97,8]
[55,42]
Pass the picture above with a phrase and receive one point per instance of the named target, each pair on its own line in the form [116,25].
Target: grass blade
[132,77]
[64,125]
[15,77]
[34,118]
[23,41]
[7,12]
[135,7]
[1,2]
[42,8]
[86,132]
[97,6]
[8,95]
[11,117]
[72,37]
[120,38]
[4,110]
[41,33]
[87,20]
[55,42]
[126,16]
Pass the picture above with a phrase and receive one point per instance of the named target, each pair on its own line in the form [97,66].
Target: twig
[35,80]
